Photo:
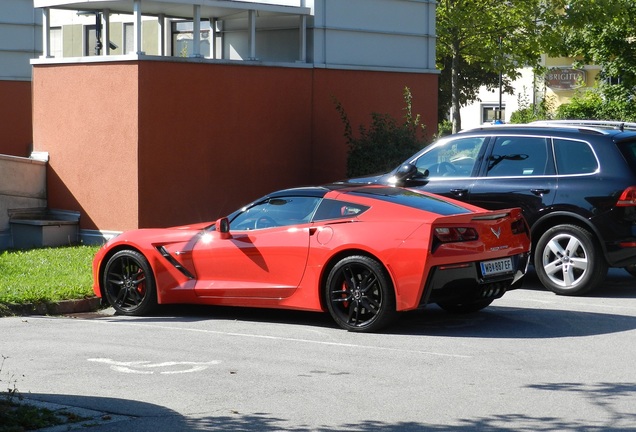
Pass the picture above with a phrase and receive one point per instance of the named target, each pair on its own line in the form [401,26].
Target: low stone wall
[22,185]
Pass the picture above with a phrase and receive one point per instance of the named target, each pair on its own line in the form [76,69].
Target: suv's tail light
[455,234]
[627,198]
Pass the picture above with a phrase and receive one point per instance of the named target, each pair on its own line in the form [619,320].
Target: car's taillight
[627,198]
[455,234]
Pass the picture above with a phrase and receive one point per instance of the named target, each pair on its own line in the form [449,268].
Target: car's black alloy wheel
[359,294]
[568,260]
[128,283]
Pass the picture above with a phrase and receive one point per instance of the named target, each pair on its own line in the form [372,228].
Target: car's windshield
[454,158]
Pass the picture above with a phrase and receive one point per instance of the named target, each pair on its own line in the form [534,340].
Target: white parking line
[286,339]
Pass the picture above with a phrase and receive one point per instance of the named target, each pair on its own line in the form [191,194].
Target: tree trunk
[456,119]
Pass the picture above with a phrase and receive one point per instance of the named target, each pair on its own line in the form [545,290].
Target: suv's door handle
[459,192]
[540,192]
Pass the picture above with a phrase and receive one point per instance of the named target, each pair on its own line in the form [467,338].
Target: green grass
[34,276]
[46,275]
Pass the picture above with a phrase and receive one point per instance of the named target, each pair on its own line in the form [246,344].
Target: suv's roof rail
[595,124]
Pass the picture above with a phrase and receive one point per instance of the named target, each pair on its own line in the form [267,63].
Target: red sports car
[361,252]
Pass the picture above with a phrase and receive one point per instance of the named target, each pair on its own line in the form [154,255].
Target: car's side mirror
[223,228]
[407,172]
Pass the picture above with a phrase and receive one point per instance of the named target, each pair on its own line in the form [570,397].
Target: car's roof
[320,191]
[575,127]
[416,199]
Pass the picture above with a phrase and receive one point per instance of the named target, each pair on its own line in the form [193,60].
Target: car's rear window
[412,199]
[629,152]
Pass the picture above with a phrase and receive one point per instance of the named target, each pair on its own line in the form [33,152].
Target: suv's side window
[574,157]
[519,157]
[454,158]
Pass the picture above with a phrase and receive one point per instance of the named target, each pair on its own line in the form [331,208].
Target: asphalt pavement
[532,361]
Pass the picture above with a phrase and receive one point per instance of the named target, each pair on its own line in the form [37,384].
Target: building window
[129,38]
[490,113]
[90,40]
[55,39]
[182,39]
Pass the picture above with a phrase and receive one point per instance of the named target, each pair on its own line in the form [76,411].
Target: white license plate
[489,268]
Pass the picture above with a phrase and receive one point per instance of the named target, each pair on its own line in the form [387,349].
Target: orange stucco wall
[213,137]
[362,93]
[85,116]
[15,117]
[154,143]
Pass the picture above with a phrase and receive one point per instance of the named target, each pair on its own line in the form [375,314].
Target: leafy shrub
[529,112]
[385,143]
[603,102]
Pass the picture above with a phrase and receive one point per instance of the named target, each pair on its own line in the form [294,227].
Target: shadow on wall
[22,186]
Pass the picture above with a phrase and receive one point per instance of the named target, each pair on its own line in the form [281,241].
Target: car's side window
[454,158]
[275,212]
[574,157]
[518,157]
[332,209]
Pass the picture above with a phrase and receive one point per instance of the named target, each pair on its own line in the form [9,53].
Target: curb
[53,308]
[73,418]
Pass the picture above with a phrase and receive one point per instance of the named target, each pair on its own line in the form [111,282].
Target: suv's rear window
[629,152]
[574,157]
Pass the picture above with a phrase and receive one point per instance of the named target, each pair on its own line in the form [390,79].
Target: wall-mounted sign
[565,78]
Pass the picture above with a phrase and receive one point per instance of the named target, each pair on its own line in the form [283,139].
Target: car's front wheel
[568,260]
[128,283]
[359,294]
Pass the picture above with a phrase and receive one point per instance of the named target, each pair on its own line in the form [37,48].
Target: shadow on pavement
[119,414]
[497,322]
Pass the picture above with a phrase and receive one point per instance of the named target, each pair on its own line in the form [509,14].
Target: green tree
[599,32]
[479,41]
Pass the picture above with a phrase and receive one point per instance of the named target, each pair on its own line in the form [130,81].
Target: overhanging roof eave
[173,8]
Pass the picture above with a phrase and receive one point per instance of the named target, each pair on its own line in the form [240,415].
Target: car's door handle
[459,192]
[540,192]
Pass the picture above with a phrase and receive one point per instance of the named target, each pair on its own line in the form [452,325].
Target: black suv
[574,180]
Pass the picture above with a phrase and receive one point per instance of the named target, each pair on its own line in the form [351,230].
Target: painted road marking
[149,368]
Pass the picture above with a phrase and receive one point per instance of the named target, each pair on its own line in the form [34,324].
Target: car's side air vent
[162,250]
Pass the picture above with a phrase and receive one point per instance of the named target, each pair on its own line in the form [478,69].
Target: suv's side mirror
[407,172]
[223,228]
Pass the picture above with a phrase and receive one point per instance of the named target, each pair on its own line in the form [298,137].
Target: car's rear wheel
[128,283]
[359,294]
[465,307]
[568,260]
[631,269]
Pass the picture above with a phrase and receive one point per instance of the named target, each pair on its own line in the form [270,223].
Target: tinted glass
[574,157]
[518,157]
[276,212]
[413,199]
[629,152]
[455,158]
[332,209]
